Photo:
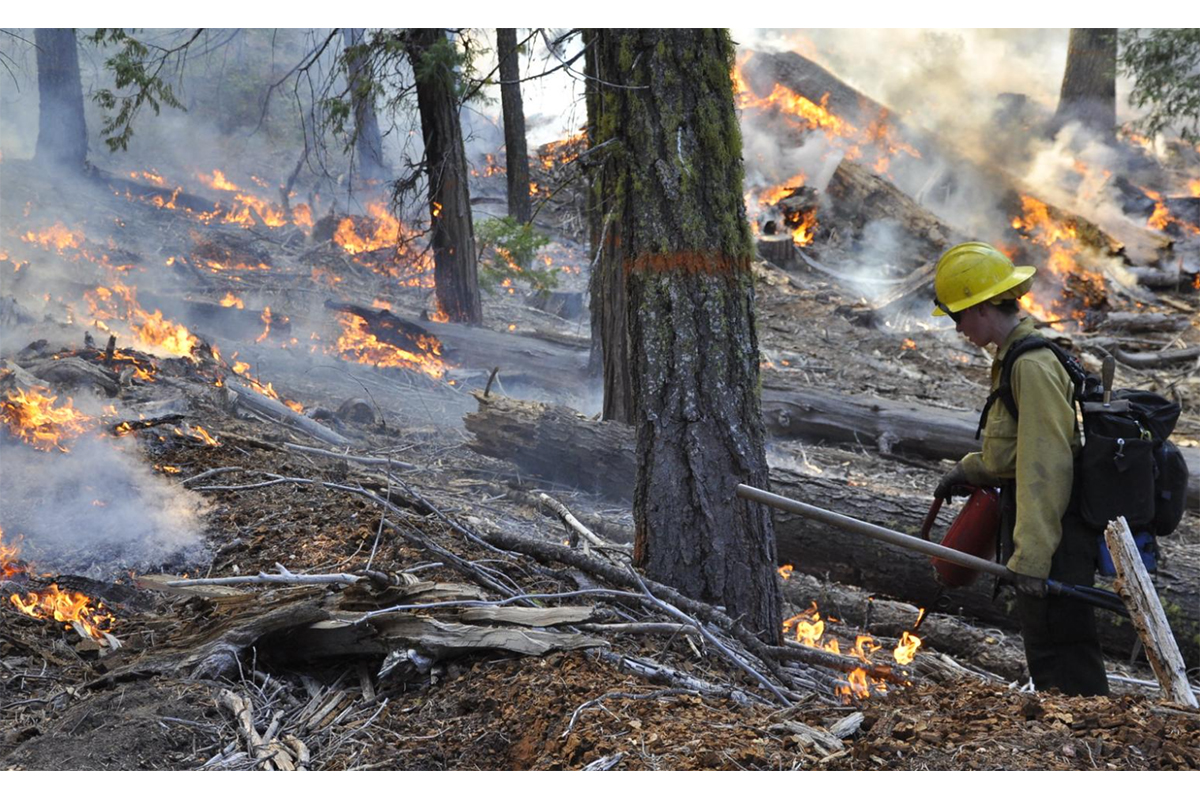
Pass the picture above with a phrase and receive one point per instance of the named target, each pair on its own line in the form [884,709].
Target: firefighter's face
[970,323]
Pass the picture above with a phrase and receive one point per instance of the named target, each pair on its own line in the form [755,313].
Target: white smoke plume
[96,510]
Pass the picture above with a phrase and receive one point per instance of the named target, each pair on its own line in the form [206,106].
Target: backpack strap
[1004,394]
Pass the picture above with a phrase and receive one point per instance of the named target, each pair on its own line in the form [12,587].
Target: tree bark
[62,131]
[516,152]
[368,141]
[453,235]
[1089,87]
[681,240]
[610,357]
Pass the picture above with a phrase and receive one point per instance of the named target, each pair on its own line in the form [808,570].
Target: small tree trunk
[62,131]
[368,141]
[1089,87]
[610,358]
[516,152]
[453,235]
[679,236]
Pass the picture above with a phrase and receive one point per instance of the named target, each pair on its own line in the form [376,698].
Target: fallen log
[552,364]
[387,327]
[72,373]
[860,196]
[555,442]
[599,457]
[988,649]
[278,412]
[1141,321]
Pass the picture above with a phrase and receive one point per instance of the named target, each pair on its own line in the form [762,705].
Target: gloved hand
[1027,584]
[953,483]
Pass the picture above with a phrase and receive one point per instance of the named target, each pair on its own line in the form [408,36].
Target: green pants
[1062,644]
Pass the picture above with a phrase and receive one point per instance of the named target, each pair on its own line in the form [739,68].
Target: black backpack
[1127,467]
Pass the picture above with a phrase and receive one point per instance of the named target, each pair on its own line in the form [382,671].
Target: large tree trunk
[566,447]
[62,131]
[1089,87]
[453,236]
[368,142]
[516,152]
[682,241]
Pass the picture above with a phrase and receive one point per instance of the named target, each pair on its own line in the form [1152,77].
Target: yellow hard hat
[970,273]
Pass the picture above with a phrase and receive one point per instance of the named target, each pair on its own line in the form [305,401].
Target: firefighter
[1032,459]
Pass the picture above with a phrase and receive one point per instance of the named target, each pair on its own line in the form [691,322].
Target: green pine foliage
[507,252]
[1165,66]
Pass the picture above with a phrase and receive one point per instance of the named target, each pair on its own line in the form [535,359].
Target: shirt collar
[1024,328]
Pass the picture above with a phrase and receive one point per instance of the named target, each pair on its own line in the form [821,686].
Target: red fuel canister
[973,531]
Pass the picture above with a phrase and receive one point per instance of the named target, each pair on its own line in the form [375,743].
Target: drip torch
[1087,594]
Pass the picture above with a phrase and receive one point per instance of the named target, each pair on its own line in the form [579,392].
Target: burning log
[388,328]
[72,373]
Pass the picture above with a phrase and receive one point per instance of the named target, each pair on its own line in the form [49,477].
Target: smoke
[96,510]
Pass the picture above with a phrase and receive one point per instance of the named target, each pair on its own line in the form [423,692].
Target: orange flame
[804,226]
[560,152]
[152,329]
[58,236]
[73,608]
[803,113]
[266,318]
[906,651]
[1162,216]
[230,300]
[908,344]
[357,343]
[1061,241]
[785,571]
[384,232]
[36,420]
[8,558]
[810,631]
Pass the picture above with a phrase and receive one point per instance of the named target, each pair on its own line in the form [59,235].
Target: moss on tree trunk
[674,237]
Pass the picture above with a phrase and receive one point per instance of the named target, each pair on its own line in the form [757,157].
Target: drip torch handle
[1107,371]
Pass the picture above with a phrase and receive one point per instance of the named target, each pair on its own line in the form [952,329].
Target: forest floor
[67,704]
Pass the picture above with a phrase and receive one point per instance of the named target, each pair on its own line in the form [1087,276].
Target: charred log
[860,196]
